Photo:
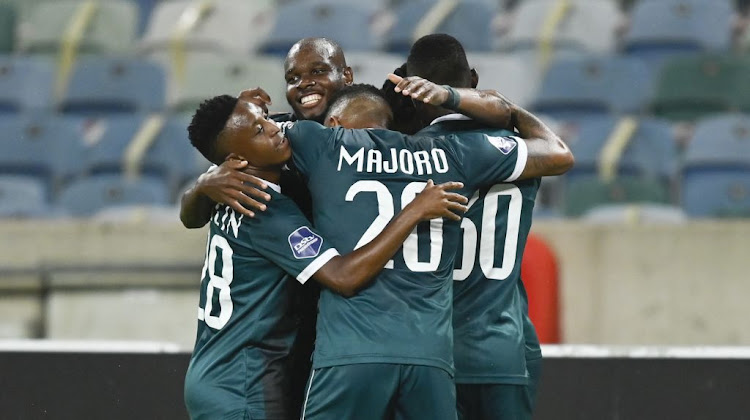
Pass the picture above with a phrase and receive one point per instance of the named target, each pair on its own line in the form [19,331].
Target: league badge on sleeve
[305,243]
[504,144]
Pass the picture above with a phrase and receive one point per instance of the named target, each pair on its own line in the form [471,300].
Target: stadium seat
[469,21]
[575,87]
[39,145]
[509,74]
[635,213]
[650,150]
[344,22]
[25,84]
[716,192]
[7,28]
[22,196]
[660,28]
[720,141]
[102,85]
[168,154]
[225,26]
[582,25]
[373,67]
[207,75]
[87,196]
[111,26]
[688,88]
[583,194]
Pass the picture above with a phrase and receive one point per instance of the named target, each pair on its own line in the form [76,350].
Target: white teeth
[310,98]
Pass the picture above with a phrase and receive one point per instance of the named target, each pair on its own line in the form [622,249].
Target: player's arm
[547,154]
[349,273]
[486,106]
[225,184]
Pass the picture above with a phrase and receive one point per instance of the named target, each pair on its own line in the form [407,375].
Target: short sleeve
[308,140]
[285,237]
[491,159]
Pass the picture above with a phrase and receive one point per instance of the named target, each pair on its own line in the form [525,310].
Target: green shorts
[500,401]
[380,391]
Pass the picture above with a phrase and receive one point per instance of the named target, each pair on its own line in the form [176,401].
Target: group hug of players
[410,205]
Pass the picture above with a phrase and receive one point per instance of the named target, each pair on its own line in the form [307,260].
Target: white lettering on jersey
[406,161]
[230,222]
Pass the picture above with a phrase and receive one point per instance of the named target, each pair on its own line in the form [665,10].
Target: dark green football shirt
[489,311]
[359,179]
[245,330]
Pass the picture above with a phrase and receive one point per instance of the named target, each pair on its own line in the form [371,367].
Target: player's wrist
[453,100]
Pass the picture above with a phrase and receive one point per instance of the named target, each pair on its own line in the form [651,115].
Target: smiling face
[314,69]
[250,136]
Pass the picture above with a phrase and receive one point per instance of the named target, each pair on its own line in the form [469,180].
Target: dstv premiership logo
[305,243]
[504,144]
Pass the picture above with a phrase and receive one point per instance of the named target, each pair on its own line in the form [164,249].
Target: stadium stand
[578,25]
[583,194]
[103,85]
[645,148]
[90,27]
[223,26]
[716,171]
[87,196]
[346,23]
[575,87]
[688,88]
[40,145]
[661,28]
[207,75]
[635,213]
[22,196]
[509,74]
[373,67]
[25,84]
[469,21]
[7,28]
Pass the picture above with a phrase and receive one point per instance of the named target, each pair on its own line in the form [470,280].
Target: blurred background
[645,241]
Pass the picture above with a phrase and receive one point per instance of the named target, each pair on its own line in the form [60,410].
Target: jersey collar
[273,186]
[450,117]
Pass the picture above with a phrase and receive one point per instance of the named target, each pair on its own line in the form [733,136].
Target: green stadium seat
[584,194]
[7,27]
[111,29]
[688,88]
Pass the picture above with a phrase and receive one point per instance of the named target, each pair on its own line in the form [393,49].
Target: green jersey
[489,311]
[245,329]
[358,180]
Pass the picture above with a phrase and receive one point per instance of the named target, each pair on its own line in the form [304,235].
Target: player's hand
[258,96]
[436,201]
[227,184]
[420,89]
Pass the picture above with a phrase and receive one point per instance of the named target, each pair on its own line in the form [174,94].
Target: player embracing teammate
[388,351]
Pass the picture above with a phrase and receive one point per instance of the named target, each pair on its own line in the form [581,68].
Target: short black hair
[353,91]
[207,124]
[404,111]
[441,59]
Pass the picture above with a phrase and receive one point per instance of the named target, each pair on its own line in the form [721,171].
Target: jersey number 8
[218,282]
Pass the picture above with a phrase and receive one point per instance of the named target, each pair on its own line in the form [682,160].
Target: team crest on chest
[305,243]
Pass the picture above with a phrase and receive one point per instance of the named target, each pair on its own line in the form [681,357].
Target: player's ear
[333,121]
[474,78]
[348,76]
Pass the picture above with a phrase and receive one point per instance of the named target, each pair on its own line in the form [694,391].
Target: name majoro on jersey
[396,160]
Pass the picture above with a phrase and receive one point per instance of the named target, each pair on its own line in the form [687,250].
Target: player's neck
[272,175]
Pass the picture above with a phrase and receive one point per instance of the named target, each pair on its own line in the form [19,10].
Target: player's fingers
[251,191]
[234,164]
[451,185]
[261,94]
[457,198]
[430,184]
[456,207]
[413,86]
[250,203]
[451,216]
[431,96]
[236,206]
[395,79]
[252,180]
[421,92]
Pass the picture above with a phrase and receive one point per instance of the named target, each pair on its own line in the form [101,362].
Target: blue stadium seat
[89,195]
[105,85]
[650,151]
[716,193]
[169,156]
[39,145]
[575,87]
[25,83]
[661,28]
[720,141]
[22,196]
[470,22]
[346,23]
